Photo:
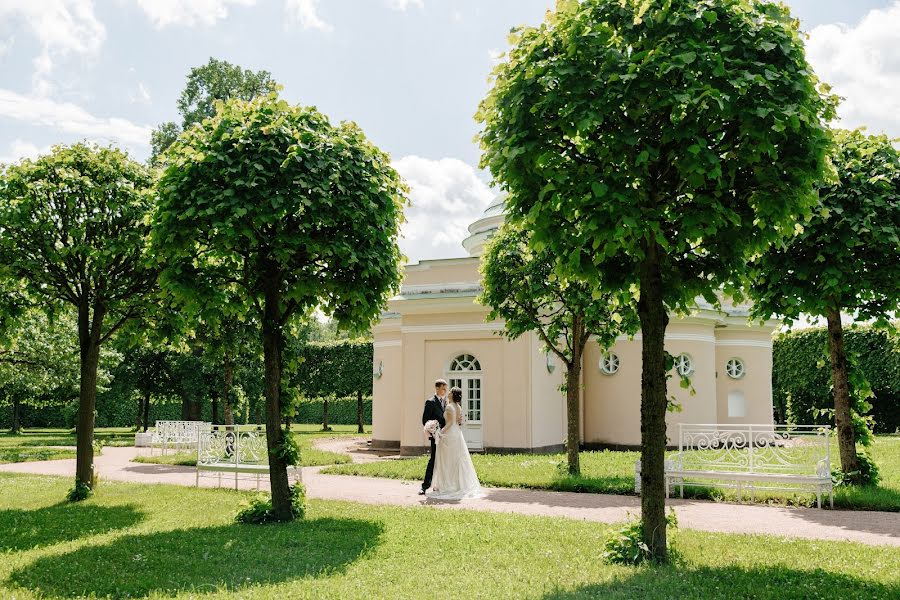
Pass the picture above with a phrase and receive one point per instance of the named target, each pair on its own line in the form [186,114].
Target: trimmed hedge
[801,374]
[341,411]
[341,368]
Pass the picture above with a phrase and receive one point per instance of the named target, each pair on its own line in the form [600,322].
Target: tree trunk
[654,319]
[228,371]
[359,413]
[839,378]
[573,394]
[146,412]
[16,423]
[272,347]
[215,410]
[325,414]
[89,350]
[139,419]
[185,409]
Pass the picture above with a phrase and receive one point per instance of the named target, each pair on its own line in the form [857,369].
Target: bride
[454,474]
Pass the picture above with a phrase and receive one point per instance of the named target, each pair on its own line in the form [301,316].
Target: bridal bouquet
[433,428]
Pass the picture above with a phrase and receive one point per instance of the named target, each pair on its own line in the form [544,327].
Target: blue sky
[410,72]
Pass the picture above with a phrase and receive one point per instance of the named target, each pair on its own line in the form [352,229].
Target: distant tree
[653,147]
[38,363]
[844,258]
[272,205]
[216,80]
[74,227]
[522,288]
[338,368]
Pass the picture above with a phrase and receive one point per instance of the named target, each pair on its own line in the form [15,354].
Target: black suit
[434,411]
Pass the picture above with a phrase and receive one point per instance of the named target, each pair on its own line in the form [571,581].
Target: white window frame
[468,379]
[730,365]
[682,360]
[609,363]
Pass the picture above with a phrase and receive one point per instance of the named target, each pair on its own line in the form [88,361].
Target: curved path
[866,527]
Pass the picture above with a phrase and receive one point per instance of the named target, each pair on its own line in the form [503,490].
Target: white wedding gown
[454,473]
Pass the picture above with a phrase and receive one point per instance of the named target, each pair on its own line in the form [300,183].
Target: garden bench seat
[234,450]
[741,456]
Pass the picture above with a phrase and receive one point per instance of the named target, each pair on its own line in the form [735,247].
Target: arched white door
[465,373]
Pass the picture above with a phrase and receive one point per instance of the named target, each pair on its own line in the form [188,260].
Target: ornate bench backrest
[233,444]
[769,449]
[178,432]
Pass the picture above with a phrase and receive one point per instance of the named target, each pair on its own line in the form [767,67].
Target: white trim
[750,343]
[451,328]
[674,337]
[388,344]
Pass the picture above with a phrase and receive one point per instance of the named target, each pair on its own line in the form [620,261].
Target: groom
[434,411]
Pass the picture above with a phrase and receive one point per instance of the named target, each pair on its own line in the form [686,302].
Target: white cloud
[61,27]
[306,13]
[862,63]
[6,44]
[69,118]
[140,94]
[404,4]
[446,196]
[188,13]
[20,149]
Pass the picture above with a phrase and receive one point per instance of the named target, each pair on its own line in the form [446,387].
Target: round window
[609,363]
[684,365]
[735,368]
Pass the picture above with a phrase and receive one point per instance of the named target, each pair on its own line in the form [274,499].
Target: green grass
[158,541]
[613,473]
[16,454]
[109,436]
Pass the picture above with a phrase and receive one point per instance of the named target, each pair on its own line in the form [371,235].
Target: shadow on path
[26,529]
[202,559]
[731,582]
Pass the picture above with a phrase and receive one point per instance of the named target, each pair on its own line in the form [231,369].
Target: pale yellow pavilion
[435,328]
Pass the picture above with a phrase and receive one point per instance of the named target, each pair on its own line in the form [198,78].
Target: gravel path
[866,527]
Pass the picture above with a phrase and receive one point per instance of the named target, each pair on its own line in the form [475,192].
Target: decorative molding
[747,343]
[451,328]
[673,337]
[388,344]
[455,287]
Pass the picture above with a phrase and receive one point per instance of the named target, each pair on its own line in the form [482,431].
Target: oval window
[735,368]
[684,365]
[609,363]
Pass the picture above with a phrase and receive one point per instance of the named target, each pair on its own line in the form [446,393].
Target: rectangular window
[737,405]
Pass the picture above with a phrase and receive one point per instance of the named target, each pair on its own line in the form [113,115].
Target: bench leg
[831,497]
[819,499]
[667,487]
[681,485]
[235,480]
[257,482]
[198,477]
[740,492]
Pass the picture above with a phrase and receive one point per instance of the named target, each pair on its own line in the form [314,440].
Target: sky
[410,72]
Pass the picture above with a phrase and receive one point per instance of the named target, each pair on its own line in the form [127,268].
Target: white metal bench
[176,435]
[238,450]
[781,457]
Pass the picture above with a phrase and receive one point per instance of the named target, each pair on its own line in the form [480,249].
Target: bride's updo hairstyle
[456,395]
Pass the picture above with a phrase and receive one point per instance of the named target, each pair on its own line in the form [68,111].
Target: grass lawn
[161,541]
[613,473]
[110,436]
[15,454]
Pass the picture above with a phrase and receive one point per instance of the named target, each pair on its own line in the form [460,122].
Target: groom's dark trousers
[434,411]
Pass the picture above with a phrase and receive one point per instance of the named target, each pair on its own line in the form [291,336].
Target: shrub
[627,546]
[259,510]
[81,491]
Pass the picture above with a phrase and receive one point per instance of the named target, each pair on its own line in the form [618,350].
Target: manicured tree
[296,213]
[522,288]
[215,81]
[844,258]
[74,229]
[336,369]
[653,147]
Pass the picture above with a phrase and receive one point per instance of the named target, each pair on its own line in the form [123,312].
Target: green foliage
[846,255]
[259,509]
[522,287]
[621,127]
[868,474]
[341,411]
[288,450]
[80,491]
[275,195]
[340,368]
[801,377]
[627,546]
[216,81]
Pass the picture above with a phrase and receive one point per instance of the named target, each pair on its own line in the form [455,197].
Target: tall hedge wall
[801,375]
[342,368]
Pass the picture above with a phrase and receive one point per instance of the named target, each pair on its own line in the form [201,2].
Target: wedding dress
[454,473]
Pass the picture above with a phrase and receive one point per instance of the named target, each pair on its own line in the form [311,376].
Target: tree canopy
[654,147]
[270,208]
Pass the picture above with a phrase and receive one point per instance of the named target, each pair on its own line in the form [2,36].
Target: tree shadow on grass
[26,529]
[731,582]
[202,559]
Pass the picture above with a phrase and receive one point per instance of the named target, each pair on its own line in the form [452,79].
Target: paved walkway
[866,527]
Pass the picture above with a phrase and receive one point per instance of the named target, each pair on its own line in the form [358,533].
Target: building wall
[387,390]
[548,403]
[753,345]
